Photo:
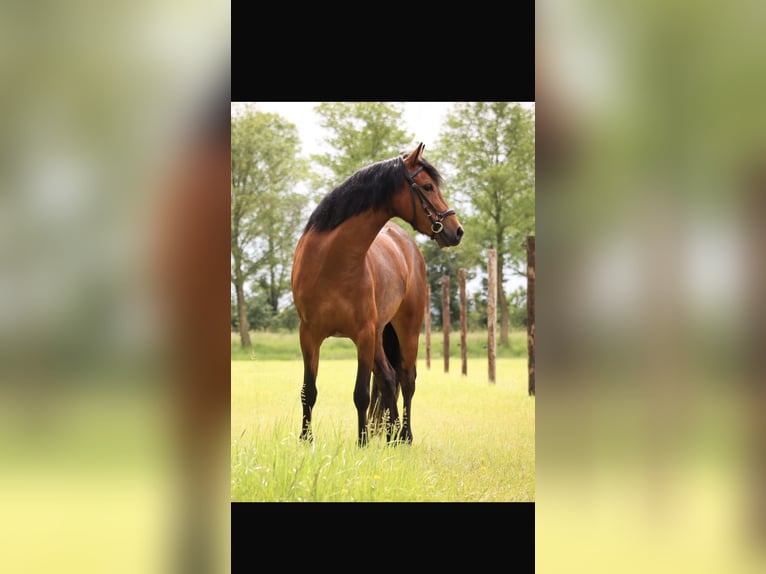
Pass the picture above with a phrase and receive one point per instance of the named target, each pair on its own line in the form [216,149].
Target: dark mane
[371,187]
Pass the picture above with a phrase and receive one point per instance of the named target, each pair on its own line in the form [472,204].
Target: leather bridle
[436,224]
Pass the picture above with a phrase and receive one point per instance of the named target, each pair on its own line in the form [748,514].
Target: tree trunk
[273,293]
[531,313]
[445,320]
[428,326]
[505,316]
[244,326]
[273,282]
[501,300]
[491,313]
[461,275]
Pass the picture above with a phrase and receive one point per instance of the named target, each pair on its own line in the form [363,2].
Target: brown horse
[357,275]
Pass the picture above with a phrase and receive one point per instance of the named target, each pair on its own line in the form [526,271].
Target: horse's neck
[352,239]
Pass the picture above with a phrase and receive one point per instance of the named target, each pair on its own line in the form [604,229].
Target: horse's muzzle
[448,236]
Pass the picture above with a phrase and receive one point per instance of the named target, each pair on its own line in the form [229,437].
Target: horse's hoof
[405,438]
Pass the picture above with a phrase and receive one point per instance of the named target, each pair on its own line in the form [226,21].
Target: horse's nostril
[460,232]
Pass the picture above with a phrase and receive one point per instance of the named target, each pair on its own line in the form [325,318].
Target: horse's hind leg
[406,376]
[375,414]
[310,351]
[386,386]
[377,405]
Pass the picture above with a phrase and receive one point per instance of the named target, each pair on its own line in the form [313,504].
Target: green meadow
[473,441]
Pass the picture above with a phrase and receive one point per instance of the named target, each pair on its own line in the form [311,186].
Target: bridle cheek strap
[436,224]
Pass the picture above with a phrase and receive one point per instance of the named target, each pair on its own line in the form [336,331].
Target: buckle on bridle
[436,226]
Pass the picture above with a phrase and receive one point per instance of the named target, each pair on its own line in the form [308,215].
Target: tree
[441,262]
[265,209]
[489,148]
[361,133]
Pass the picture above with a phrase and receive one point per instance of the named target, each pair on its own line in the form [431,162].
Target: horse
[360,276]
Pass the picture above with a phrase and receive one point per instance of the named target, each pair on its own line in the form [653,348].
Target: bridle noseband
[436,224]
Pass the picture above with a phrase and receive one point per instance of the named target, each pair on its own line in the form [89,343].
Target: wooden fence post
[461,274]
[491,312]
[428,326]
[531,312]
[445,320]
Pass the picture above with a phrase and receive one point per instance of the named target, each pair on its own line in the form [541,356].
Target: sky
[423,119]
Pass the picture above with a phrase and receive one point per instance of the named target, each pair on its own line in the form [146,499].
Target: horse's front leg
[310,351]
[365,349]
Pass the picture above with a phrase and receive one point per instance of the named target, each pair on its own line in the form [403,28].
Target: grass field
[473,441]
[284,346]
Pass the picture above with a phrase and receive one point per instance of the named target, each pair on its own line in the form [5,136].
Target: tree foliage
[266,210]
[361,133]
[490,147]
[488,150]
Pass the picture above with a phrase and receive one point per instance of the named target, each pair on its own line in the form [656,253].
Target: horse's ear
[415,156]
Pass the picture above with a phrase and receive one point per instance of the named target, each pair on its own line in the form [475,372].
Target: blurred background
[114,385]
[651,146]
[114,173]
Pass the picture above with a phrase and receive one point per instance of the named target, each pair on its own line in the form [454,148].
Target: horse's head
[428,212]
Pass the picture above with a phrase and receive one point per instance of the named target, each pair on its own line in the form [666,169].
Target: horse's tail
[394,355]
[391,347]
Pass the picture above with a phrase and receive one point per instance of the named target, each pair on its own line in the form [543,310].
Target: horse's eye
[428,187]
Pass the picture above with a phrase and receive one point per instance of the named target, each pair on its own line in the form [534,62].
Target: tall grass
[474,441]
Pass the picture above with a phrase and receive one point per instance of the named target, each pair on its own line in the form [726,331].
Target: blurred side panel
[114,252]
[651,147]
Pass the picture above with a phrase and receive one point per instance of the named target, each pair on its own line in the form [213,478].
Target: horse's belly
[333,310]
